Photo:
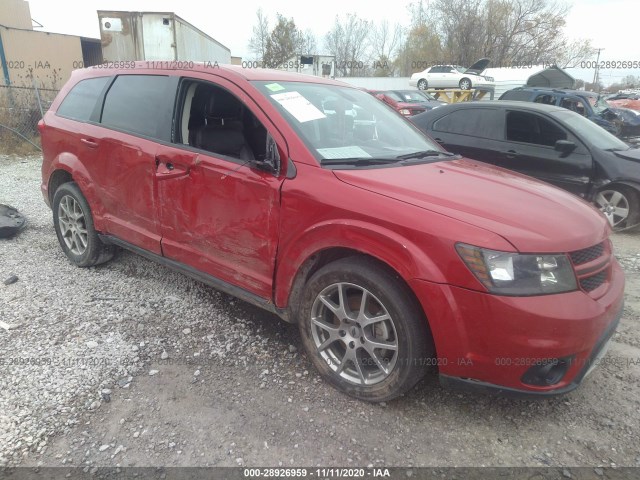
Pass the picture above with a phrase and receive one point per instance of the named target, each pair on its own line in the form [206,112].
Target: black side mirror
[271,161]
[564,146]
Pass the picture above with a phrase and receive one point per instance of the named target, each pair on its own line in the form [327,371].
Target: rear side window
[519,95]
[81,100]
[477,122]
[137,103]
[546,99]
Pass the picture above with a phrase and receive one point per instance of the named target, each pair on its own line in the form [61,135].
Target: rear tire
[73,223]
[375,349]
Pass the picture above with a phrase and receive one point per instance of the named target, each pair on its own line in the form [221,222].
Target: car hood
[421,105]
[628,116]
[531,215]
[633,154]
[478,67]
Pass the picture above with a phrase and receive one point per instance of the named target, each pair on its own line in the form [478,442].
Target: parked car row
[570,151]
[547,142]
[407,102]
[622,122]
[316,201]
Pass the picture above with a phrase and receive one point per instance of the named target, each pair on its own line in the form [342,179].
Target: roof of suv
[565,91]
[538,107]
[230,71]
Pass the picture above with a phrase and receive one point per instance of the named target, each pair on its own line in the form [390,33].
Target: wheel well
[57,178]
[617,183]
[318,260]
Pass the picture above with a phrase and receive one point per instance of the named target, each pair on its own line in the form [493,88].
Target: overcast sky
[611,24]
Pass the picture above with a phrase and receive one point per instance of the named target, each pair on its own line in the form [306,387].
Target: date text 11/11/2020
[330,472]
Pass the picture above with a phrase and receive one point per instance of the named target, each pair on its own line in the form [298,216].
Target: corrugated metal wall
[193,45]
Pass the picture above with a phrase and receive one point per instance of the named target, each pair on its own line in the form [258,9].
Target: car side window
[546,99]
[528,127]
[137,103]
[575,105]
[81,100]
[476,122]
[213,119]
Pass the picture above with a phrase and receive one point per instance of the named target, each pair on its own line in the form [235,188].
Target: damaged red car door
[218,213]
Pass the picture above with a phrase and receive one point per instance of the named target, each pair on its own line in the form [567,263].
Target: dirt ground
[221,383]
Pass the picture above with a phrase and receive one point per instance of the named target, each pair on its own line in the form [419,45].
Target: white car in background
[452,76]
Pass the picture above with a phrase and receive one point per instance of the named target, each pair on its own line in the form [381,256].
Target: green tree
[284,43]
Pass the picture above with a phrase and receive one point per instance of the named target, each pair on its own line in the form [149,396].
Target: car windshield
[588,130]
[460,69]
[599,104]
[345,125]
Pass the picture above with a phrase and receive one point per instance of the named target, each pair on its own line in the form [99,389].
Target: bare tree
[258,42]
[575,52]
[461,33]
[631,81]
[510,32]
[348,42]
[385,41]
[308,44]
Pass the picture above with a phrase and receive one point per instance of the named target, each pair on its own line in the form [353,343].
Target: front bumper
[483,387]
[488,342]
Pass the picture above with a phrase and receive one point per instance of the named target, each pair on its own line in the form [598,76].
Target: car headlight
[405,111]
[507,273]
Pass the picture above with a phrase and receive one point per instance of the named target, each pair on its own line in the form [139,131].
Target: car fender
[70,163]
[387,246]
[628,183]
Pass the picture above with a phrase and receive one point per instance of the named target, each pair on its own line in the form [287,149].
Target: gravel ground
[131,364]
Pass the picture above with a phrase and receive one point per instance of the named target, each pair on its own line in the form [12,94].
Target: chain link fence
[21,108]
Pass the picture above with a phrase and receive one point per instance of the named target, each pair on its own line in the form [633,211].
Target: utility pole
[597,70]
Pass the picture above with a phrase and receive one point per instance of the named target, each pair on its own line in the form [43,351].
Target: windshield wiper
[425,153]
[359,161]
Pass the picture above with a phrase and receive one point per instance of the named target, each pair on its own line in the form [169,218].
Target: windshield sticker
[275,87]
[343,152]
[298,106]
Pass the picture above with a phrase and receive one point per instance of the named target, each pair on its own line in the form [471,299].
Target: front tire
[74,227]
[422,84]
[363,330]
[620,204]
[464,84]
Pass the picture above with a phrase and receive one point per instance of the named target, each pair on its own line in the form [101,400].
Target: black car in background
[622,122]
[550,143]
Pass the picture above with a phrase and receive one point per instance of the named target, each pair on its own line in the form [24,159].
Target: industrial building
[29,56]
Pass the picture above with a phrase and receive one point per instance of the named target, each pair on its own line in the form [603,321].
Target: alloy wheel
[354,333]
[72,225]
[614,205]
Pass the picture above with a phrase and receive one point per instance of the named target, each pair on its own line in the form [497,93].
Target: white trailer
[156,36]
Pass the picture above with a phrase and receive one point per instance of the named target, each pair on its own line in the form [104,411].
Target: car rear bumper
[498,344]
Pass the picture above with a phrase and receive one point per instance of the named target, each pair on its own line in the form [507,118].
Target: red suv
[316,201]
